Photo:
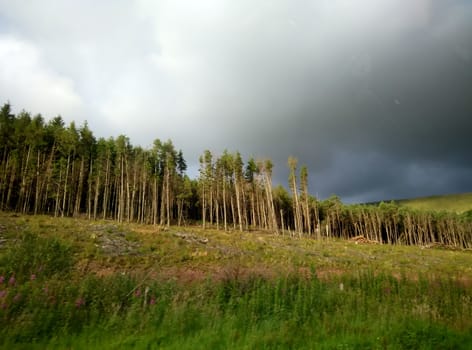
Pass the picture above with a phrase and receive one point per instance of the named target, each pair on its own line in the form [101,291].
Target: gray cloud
[374,96]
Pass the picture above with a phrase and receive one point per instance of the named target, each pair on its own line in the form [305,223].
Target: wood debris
[362,240]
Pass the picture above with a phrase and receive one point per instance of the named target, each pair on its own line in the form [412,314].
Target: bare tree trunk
[38,186]
[253,210]
[21,206]
[270,200]
[121,204]
[133,192]
[282,222]
[203,205]
[89,191]
[238,202]
[233,215]
[155,199]
[128,194]
[306,209]
[292,163]
[65,187]
[106,192]
[96,194]
[163,201]
[225,220]
[168,195]
[78,196]
[57,205]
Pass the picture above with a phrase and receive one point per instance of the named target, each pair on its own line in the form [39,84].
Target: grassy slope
[106,247]
[453,202]
[369,313]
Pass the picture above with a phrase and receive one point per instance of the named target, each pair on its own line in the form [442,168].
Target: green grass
[81,284]
[459,203]
[368,311]
[181,253]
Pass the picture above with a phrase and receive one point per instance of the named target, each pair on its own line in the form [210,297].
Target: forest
[47,167]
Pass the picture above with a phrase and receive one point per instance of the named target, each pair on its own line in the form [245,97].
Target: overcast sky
[374,96]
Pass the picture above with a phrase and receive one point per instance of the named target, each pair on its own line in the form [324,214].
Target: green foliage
[467,215]
[256,290]
[32,255]
[416,334]
[294,311]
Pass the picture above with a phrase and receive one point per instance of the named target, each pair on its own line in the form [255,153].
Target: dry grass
[105,247]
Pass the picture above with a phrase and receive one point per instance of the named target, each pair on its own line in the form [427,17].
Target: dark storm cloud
[373,96]
[404,97]
[414,110]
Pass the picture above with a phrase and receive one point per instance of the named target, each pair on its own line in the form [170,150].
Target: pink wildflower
[12,281]
[79,302]
[2,279]
[33,277]
[3,293]
[137,293]
[152,301]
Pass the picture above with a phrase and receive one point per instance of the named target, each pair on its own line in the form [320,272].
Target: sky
[373,96]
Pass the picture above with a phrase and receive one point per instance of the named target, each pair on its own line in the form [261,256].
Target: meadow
[79,284]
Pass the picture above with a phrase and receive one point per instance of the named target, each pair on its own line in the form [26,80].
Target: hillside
[458,203]
[82,284]
[105,247]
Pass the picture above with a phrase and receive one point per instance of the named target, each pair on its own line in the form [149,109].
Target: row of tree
[46,167]
[51,168]
[394,224]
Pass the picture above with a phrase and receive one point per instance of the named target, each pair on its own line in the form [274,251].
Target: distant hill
[458,203]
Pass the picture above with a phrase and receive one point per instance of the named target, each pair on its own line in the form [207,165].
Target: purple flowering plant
[12,281]
[79,302]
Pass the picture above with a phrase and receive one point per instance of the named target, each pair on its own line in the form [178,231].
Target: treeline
[394,224]
[51,168]
[244,199]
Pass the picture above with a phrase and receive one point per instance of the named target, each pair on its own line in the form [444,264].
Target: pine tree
[292,164]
